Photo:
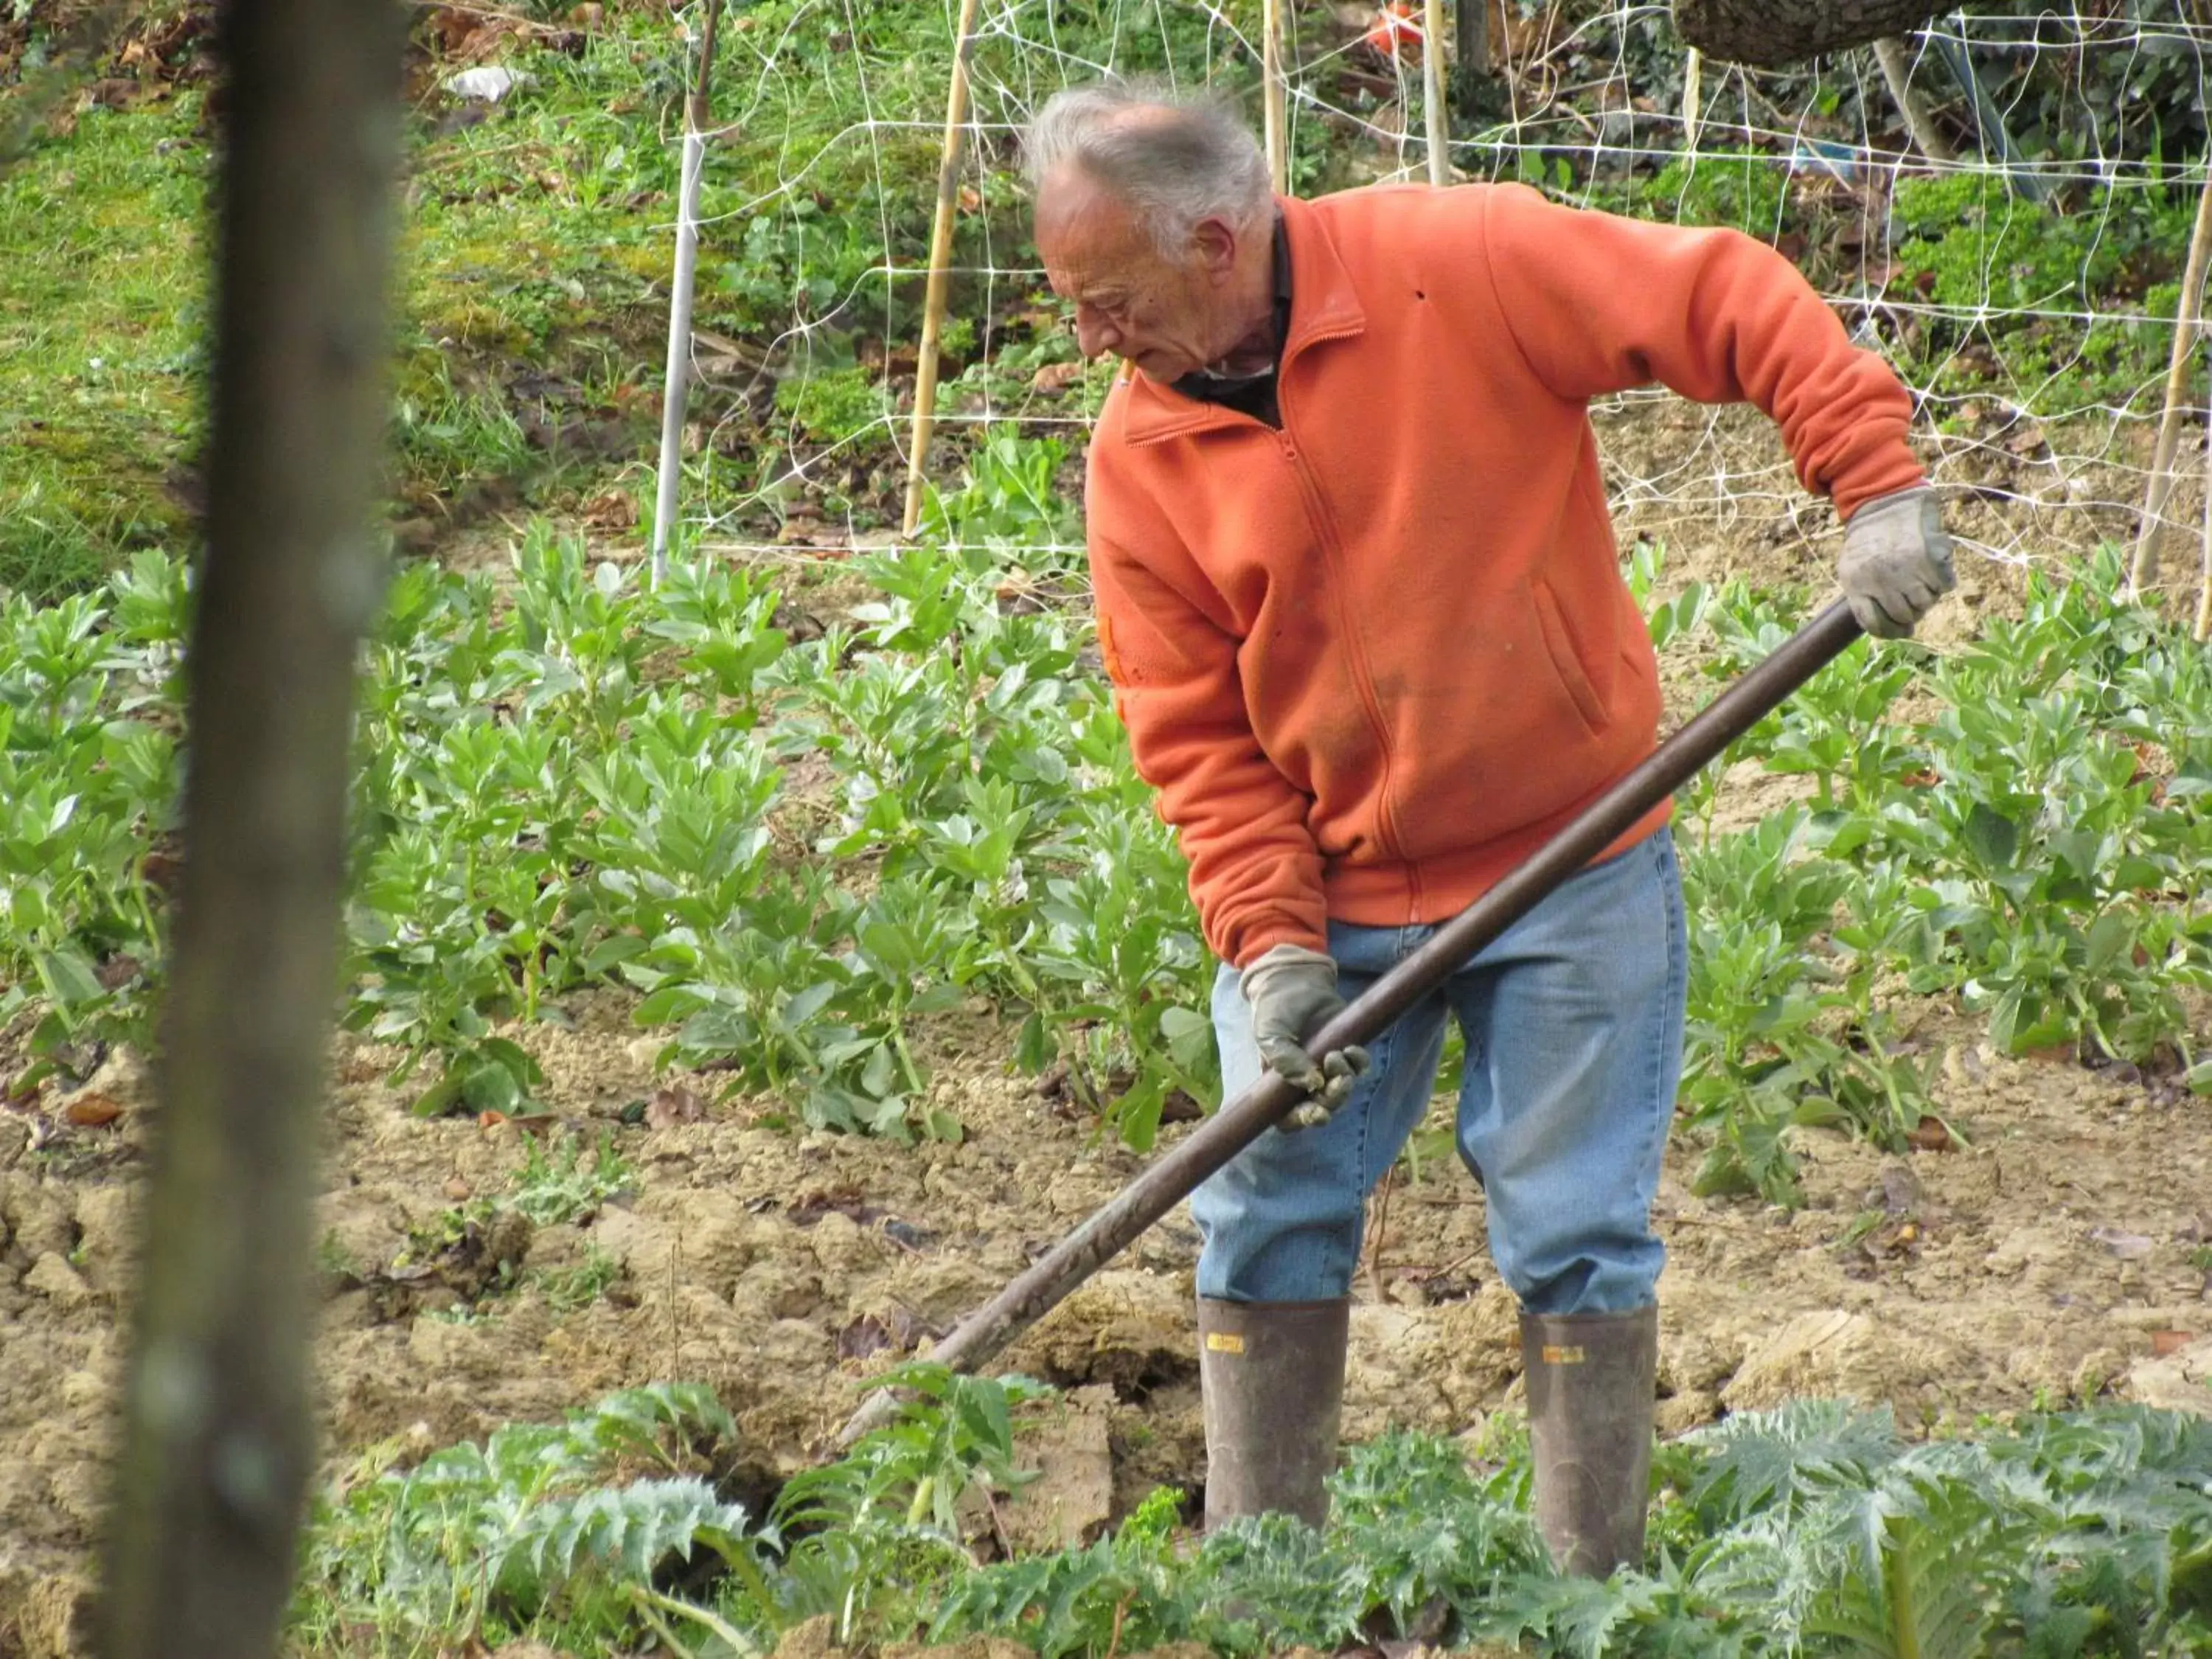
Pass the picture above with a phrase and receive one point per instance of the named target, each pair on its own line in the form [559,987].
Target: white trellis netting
[2037,332]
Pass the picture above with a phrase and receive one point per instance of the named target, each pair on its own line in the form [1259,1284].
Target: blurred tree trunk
[1768,34]
[200,1541]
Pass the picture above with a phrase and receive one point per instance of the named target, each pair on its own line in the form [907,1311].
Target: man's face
[1163,315]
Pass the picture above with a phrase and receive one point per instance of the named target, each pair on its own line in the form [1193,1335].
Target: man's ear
[1214,245]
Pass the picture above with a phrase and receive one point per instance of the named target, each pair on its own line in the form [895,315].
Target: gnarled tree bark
[1768,33]
[200,1543]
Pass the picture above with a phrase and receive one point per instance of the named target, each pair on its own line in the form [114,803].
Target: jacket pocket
[1560,645]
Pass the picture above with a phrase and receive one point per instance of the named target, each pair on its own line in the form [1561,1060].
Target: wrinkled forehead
[1087,236]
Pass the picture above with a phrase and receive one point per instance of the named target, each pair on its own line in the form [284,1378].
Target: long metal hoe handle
[1110,1229]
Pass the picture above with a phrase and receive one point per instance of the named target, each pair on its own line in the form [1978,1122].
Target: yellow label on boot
[1556,1355]
[1224,1342]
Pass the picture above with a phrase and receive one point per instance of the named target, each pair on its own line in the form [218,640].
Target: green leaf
[1991,837]
[1189,1038]
[1137,1114]
[2079,848]
[69,977]
[1035,1048]
[887,1117]
[889,947]
[669,1003]
[439,1098]
[491,1087]
[514,1059]
[880,1075]
[2109,935]
[610,953]
[984,1409]
[808,1003]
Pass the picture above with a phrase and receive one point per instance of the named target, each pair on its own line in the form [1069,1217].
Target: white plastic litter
[488,84]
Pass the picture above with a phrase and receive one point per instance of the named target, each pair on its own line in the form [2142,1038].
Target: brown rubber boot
[1590,1379]
[1272,1377]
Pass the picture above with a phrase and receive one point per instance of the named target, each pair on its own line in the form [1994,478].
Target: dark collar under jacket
[1327,307]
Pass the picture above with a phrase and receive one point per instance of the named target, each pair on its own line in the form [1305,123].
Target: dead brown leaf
[2163,1343]
[672,1105]
[1929,1136]
[117,971]
[116,93]
[91,1111]
[611,509]
[846,1200]
[865,1336]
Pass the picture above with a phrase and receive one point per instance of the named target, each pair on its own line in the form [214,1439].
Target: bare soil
[2041,1262]
[2056,1256]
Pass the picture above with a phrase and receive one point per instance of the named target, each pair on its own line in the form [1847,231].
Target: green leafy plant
[555,1523]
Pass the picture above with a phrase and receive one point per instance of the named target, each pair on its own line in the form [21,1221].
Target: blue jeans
[1573,1027]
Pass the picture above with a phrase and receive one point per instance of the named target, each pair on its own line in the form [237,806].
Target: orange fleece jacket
[1370,661]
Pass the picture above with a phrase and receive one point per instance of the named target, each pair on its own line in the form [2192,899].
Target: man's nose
[1094,336]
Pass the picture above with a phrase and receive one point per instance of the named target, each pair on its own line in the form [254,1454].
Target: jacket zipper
[1325,525]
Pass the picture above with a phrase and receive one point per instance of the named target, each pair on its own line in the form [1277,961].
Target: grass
[531,289]
[100,332]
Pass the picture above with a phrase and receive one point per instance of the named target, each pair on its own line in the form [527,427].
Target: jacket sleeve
[1599,303]
[1254,871]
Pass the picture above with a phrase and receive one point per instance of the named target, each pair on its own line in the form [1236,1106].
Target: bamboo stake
[677,376]
[1273,119]
[2189,312]
[1432,92]
[940,259]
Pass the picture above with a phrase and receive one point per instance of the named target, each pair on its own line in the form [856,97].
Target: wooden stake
[1693,100]
[1432,91]
[940,257]
[1275,125]
[2143,569]
[2204,628]
[676,374]
[1889,52]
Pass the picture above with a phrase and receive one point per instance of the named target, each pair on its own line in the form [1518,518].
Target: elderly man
[1359,598]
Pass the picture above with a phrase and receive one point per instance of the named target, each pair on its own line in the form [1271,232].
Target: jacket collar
[1324,305]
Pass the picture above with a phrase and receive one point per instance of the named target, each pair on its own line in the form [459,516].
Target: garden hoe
[984,1333]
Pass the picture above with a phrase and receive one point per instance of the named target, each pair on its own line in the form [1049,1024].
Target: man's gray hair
[1176,160]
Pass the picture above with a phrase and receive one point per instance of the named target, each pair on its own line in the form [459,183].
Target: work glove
[1291,991]
[1897,561]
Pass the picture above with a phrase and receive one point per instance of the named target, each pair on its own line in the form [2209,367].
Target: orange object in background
[1396,32]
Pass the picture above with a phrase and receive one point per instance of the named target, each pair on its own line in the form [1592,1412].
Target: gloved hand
[1291,992]
[1896,560]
